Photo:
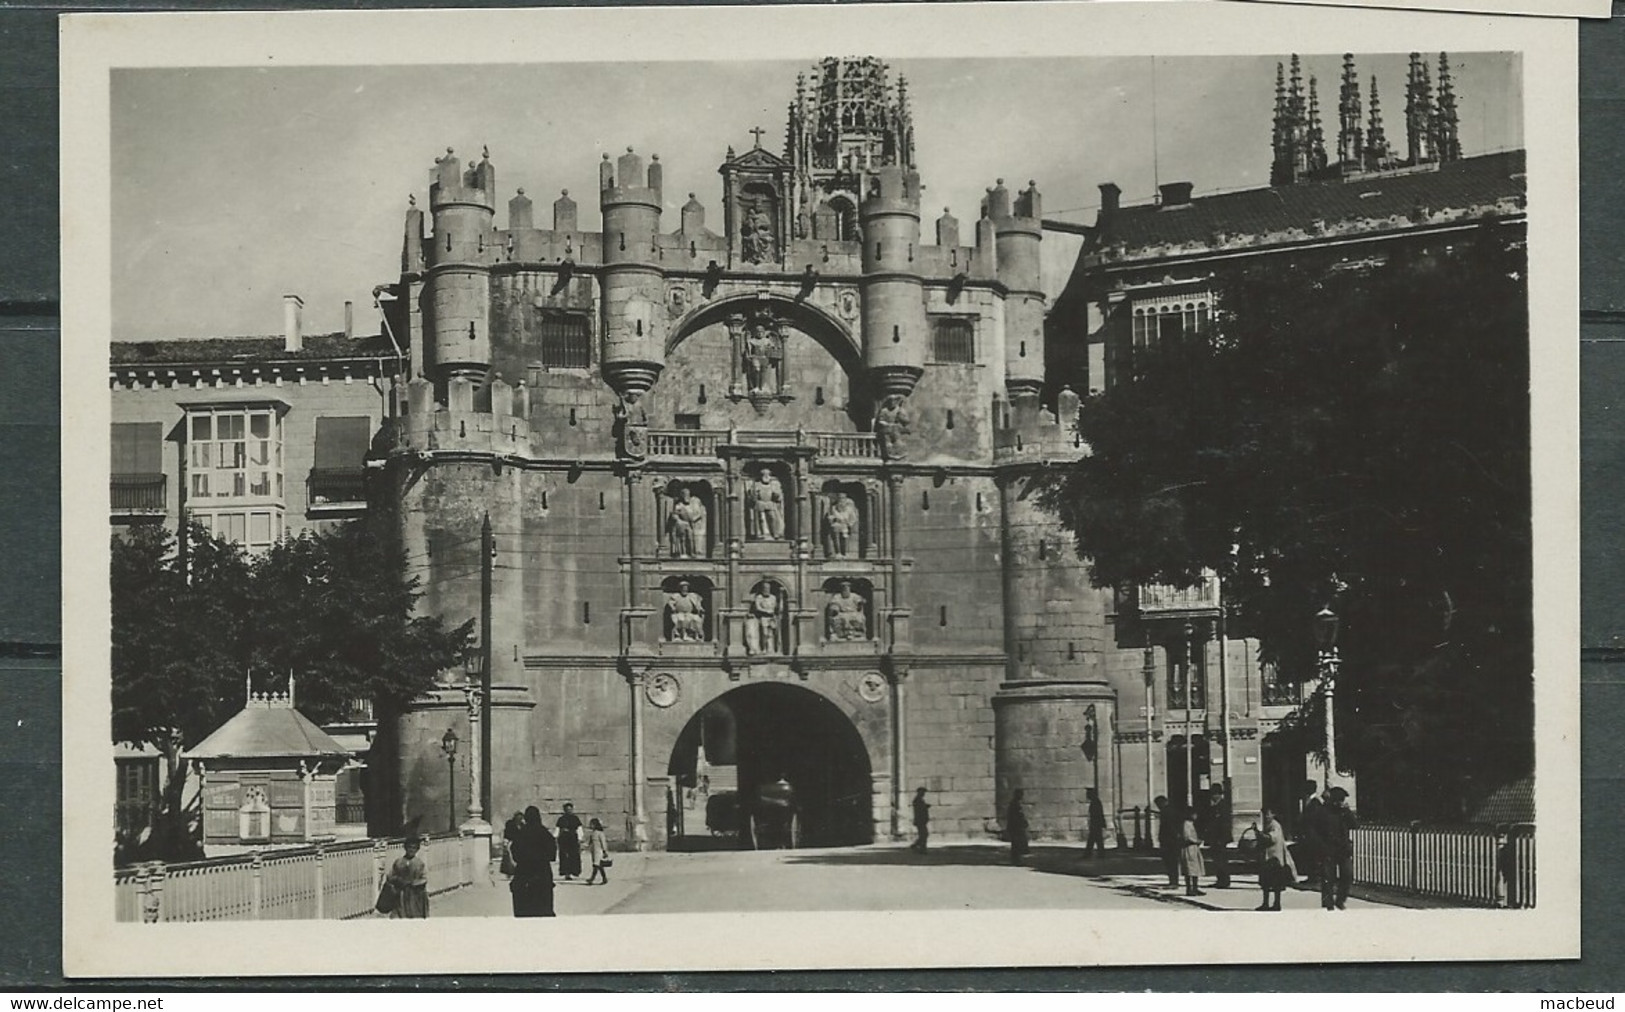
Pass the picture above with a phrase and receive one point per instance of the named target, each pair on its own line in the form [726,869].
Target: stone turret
[634,324]
[459,257]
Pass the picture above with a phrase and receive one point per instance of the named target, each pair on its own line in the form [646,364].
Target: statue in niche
[891,426]
[756,241]
[762,620]
[844,615]
[840,526]
[632,426]
[685,526]
[687,612]
[763,355]
[764,498]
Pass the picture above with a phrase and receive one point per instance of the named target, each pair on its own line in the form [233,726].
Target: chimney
[1175,194]
[349,320]
[1110,196]
[293,336]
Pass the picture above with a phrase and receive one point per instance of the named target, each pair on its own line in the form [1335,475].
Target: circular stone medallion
[872,687]
[663,690]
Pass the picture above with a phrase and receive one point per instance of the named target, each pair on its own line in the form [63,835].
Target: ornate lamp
[448,745]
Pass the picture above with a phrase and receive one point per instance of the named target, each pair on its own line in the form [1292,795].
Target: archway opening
[770,765]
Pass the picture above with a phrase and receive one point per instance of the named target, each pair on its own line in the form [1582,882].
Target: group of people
[529,849]
[1015,825]
[1324,843]
[1182,832]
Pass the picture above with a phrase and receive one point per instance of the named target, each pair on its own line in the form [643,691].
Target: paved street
[889,877]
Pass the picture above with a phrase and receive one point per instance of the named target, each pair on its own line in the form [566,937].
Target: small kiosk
[268,778]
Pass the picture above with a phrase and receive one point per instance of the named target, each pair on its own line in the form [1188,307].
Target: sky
[234,186]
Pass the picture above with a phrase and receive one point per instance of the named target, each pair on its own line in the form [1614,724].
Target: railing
[350,811]
[683,443]
[861,445]
[308,883]
[691,443]
[139,493]
[1489,866]
[337,485]
[1164,599]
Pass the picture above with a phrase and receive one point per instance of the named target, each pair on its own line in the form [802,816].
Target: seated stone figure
[844,615]
[687,612]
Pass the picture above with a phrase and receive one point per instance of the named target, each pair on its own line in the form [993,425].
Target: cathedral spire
[1420,128]
[1281,162]
[1314,137]
[1447,129]
[1348,118]
[1377,155]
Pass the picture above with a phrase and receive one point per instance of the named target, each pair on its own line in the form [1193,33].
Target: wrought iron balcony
[337,488]
[1162,600]
[139,494]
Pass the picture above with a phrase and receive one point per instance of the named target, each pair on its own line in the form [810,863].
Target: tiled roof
[260,731]
[317,347]
[1509,803]
[1470,187]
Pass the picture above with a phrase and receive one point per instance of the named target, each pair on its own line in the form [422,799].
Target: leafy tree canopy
[334,608]
[1357,430]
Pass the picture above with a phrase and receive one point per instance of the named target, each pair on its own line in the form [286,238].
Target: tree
[336,609]
[1367,425]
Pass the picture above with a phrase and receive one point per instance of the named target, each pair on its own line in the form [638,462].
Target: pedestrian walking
[1015,828]
[409,876]
[533,853]
[569,841]
[1169,841]
[1096,841]
[1336,844]
[510,832]
[1276,871]
[1190,854]
[1307,832]
[1217,834]
[598,852]
[922,821]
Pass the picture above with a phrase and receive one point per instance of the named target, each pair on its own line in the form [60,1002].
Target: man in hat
[1336,844]
[1307,832]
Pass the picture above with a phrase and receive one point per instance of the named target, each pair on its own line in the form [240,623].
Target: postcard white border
[1529,8]
[93,944]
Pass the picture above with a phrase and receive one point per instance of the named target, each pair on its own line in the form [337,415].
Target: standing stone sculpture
[765,499]
[891,426]
[762,621]
[844,615]
[840,526]
[685,526]
[686,609]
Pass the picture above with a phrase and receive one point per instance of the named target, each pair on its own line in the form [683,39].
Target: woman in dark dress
[1015,827]
[569,827]
[533,853]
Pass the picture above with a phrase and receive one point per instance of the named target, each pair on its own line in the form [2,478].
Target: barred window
[566,341]
[953,339]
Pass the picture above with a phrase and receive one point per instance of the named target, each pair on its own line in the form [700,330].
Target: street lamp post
[1150,753]
[448,745]
[1326,623]
[475,822]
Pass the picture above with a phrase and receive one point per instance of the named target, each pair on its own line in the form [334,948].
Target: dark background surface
[31,632]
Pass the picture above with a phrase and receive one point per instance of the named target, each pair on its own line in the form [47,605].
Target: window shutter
[341,443]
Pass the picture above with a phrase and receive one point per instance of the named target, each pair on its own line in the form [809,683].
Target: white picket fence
[329,882]
[1492,866]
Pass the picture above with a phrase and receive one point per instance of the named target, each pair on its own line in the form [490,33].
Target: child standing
[597,852]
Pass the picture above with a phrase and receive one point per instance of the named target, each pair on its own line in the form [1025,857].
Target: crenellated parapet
[1032,434]
[455,425]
